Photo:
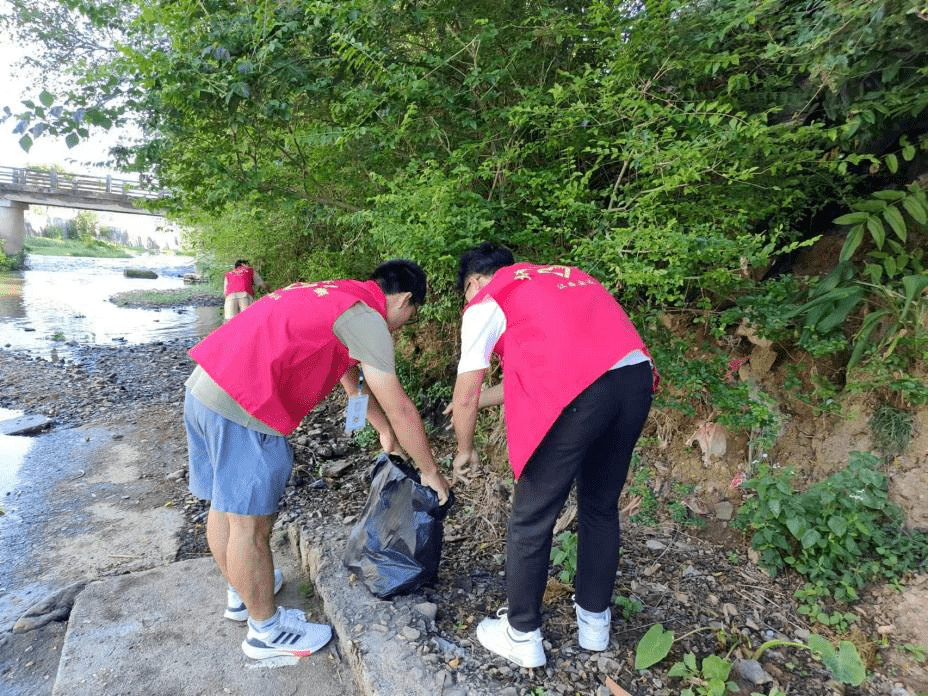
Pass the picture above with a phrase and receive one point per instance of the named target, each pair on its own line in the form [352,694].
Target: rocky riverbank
[710,595]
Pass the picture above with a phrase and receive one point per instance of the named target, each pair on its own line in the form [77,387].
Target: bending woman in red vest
[577,387]
[239,288]
[256,379]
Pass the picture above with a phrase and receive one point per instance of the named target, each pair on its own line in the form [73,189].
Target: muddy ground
[698,582]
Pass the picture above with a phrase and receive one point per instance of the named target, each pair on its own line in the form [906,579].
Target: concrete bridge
[21,187]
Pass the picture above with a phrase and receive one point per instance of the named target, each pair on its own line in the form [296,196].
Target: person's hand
[461,466]
[437,483]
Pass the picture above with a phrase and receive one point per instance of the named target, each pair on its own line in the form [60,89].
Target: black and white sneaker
[235,607]
[290,634]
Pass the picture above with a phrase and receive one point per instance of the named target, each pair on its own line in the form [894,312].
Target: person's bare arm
[407,424]
[491,396]
[464,404]
[375,415]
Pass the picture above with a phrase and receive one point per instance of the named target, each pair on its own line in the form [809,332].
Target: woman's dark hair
[241,262]
[485,259]
[401,275]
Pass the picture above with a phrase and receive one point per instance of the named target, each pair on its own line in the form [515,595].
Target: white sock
[266,624]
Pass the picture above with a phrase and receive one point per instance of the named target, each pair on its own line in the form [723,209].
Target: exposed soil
[700,584]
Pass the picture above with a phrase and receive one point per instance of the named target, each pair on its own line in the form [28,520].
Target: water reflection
[12,452]
[61,300]
[11,295]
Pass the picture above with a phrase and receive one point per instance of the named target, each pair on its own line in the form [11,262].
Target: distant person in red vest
[577,383]
[256,379]
[239,288]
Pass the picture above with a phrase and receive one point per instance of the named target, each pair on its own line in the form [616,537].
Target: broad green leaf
[896,221]
[889,263]
[71,140]
[838,525]
[25,143]
[871,205]
[810,538]
[878,233]
[846,665]
[889,195]
[851,218]
[915,208]
[47,98]
[875,227]
[822,647]
[715,668]
[891,162]
[653,647]
[854,237]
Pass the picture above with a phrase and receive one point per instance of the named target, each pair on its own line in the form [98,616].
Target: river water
[60,302]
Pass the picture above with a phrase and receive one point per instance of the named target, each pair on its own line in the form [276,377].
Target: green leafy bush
[839,535]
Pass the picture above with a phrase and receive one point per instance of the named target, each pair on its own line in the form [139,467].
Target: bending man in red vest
[256,379]
[577,387]
[239,288]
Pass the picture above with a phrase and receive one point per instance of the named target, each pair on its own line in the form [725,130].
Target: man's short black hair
[485,259]
[401,275]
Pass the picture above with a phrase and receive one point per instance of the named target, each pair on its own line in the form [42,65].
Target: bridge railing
[49,181]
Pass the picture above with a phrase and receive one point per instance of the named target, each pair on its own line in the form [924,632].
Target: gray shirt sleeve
[366,336]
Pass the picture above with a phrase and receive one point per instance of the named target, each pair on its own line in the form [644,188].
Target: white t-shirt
[481,327]
[484,323]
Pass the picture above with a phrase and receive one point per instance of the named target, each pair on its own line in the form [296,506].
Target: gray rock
[139,273]
[55,607]
[24,425]
[724,511]
[751,671]
[427,609]
[410,633]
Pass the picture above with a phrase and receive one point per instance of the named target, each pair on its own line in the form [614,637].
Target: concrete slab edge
[378,638]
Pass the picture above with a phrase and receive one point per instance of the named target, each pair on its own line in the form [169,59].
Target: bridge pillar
[12,226]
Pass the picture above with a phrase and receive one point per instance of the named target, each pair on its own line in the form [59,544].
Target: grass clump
[892,429]
[173,297]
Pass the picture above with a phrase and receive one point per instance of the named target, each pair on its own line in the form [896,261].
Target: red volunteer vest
[563,332]
[279,359]
[240,279]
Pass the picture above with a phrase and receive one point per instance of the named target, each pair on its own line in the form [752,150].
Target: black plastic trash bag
[396,545]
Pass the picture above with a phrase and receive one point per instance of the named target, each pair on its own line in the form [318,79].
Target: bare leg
[217,536]
[250,564]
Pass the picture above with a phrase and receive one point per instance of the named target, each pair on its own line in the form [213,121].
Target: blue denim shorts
[238,470]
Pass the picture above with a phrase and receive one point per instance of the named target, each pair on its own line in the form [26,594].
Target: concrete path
[161,632]
[88,524]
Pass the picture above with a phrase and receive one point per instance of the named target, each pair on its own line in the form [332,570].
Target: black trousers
[591,443]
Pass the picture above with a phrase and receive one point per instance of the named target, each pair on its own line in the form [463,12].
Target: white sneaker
[593,628]
[290,634]
[525,649]
[235,607]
